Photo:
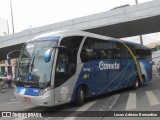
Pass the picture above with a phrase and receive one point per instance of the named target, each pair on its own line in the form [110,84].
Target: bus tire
[136,83]
[79,96]
[142,82]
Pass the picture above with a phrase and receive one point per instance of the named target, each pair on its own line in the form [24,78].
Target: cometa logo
[104,66]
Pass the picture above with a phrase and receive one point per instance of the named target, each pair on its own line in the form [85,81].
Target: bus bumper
[46,100]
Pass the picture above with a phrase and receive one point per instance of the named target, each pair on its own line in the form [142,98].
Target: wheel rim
[137,83]
[81,94]
[143,80]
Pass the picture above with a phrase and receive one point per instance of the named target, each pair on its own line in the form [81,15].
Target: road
[146,98]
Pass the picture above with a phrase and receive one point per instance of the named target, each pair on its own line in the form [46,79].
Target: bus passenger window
[146,54]
[118,50]
[95,49]
[138,52]
[102,54]
[109,54]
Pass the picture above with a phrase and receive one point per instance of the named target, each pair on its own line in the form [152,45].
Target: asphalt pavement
[146,98]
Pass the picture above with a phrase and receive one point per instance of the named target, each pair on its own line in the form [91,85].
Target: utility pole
[140,36]
[8,27]
[12,16]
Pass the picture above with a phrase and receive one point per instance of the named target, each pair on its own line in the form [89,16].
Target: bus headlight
[44,91]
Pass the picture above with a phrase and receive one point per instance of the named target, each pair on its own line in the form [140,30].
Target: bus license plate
[26,99]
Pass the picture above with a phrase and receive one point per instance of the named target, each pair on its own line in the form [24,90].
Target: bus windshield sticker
[30,46]
[64,90]
[64,96]
[87,69]
[85,76]
[22,91]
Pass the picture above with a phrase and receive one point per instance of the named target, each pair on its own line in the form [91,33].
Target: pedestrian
[5,74]
[1,82]
[9,79]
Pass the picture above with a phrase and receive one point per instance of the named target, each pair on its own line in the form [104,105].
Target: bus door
[61,76]
[65,71]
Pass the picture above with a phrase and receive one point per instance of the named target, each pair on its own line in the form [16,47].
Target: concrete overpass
[122,22]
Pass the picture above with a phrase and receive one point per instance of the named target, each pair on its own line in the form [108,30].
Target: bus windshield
[32,62]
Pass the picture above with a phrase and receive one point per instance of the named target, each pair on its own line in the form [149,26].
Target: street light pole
[12,16]
[7,27]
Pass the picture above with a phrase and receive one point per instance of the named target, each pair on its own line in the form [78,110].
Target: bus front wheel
[79,96]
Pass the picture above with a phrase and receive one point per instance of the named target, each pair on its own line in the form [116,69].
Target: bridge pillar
[141,39]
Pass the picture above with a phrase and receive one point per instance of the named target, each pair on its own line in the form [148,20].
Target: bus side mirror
[47,55]
[8,59]
[8,56]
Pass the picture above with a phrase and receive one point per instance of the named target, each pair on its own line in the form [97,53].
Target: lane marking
[101,109]
[131,103]
[83,108]
[21,118]
[117,96]
[152,98]
[12,99]
[112,98]
[9,103]
[12,103]
[28,107]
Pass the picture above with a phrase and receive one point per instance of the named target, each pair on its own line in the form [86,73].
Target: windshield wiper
[32,64]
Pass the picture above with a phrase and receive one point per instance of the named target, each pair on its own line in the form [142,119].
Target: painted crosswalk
[83,108]
[132,100]
[131,103]
[152,98]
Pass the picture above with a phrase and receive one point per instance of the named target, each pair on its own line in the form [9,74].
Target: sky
[35,13]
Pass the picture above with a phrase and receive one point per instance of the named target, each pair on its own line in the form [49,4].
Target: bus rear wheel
[136,83]
[142,82]
[80,96]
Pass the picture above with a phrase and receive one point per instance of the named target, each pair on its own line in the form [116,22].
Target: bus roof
[56,35]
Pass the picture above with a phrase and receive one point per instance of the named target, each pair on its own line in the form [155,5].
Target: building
[155,57]
[5,68]
[155,46]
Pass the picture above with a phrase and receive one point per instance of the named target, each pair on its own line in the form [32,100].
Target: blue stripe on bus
[28,91]
[49,38]
[103,81]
